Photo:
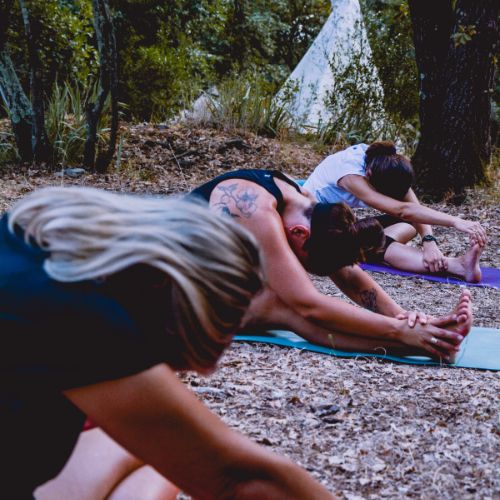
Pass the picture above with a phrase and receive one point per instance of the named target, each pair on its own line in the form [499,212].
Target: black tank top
[263,178]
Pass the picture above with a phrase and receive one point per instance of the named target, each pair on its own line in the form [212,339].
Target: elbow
[308,311]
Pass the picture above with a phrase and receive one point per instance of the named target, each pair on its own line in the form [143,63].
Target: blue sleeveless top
[56,336]
[264,178]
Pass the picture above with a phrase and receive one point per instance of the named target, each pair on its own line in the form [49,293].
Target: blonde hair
[212,263]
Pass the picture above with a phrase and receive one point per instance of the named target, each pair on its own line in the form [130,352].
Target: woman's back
[323,182]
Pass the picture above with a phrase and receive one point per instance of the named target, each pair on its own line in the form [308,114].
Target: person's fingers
[401,316]
[445,320]
[446,335]
[412,318]
[445,264]
[437,353]
[441,345]
[422,317]
[482,233]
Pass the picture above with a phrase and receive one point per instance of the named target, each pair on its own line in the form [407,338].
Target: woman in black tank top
[298,235]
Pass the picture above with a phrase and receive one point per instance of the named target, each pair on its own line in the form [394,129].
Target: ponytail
[380,148]
[370,235]
[338,240]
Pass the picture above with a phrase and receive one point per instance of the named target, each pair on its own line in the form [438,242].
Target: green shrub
[158,77]
[66,122]
[8,150]
[247,104]
[390,32]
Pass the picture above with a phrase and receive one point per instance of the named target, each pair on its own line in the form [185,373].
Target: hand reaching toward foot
[441,337]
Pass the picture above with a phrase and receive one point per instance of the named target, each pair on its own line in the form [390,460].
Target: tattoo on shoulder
[369,299]
[244,200]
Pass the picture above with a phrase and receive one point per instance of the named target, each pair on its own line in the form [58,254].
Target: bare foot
[463,310]
[459,320]
[470,263]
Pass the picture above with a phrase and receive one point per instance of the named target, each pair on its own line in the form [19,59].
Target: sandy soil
[364,428]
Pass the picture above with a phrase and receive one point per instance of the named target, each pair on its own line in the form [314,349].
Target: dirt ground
[365,428]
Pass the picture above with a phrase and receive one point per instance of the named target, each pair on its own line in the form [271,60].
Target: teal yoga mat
[480,349]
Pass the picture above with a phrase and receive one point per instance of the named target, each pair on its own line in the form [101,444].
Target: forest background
[365,428]
[168,52]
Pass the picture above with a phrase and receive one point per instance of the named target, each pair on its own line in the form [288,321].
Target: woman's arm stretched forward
[289,281]
[158,420]
[409,209]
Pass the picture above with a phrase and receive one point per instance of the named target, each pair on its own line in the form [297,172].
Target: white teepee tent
[306,89]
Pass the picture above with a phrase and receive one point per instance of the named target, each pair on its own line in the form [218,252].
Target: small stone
[71,172]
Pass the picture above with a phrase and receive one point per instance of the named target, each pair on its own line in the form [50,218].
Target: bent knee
[402,232]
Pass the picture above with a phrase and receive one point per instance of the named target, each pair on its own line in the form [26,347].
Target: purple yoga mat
[490,277]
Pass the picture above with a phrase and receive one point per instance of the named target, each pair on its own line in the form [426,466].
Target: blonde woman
[102,297]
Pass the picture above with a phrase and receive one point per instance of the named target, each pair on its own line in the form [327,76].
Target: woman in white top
[376,176]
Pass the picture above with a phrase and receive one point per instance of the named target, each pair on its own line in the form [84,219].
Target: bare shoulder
[240,198]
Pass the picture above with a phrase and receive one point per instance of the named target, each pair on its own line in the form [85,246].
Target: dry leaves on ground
[364,428]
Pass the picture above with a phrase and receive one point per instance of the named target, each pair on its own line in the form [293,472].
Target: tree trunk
[42,150]
[105,159]
[456,79]
[108,84]
[12,93]
[18,106]
[5,10]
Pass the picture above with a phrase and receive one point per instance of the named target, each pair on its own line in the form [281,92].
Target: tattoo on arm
[245,201]
[369,299]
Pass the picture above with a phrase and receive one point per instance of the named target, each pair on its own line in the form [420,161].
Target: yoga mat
[490,277]
[480,349]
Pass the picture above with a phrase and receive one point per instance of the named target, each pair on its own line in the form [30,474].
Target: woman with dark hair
[102,297]
[377,176]
[296,235]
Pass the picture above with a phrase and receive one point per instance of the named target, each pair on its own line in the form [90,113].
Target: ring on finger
[434,340]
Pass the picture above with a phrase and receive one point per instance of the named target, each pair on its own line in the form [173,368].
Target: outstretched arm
[411,211]
[158,420]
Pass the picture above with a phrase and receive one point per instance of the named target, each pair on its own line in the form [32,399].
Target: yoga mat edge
[480,349]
